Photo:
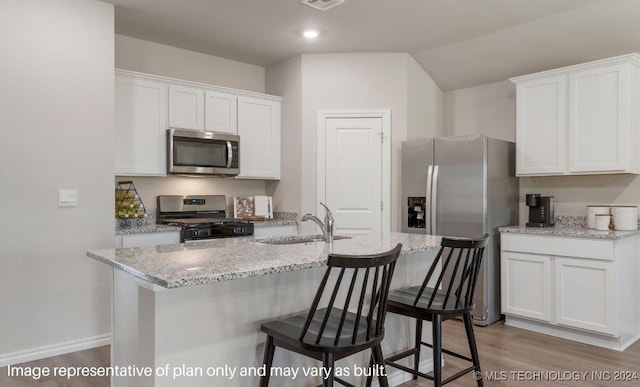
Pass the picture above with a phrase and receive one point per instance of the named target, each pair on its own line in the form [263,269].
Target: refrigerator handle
[427,205]
[434,200]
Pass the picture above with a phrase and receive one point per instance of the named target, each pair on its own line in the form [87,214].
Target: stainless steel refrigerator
[463,186]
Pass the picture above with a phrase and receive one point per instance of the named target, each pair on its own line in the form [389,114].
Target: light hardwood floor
[507,352]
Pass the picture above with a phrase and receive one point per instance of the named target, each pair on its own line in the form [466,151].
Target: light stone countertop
[202,262]
[274,222]
[568,231]
[146,229]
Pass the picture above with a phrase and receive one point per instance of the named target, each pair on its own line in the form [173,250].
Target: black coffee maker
[540,211]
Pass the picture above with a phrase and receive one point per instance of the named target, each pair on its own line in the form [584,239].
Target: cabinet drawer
[558,246]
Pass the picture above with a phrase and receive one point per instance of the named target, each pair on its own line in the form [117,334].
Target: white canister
[625,218]
[592,210]
[602,222]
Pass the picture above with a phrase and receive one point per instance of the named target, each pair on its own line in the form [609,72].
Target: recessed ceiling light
[310,34]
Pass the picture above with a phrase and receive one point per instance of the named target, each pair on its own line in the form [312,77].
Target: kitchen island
[191,312]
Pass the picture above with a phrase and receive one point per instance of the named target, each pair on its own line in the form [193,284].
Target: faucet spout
[326,227]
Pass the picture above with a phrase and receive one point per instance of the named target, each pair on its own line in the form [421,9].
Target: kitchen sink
[301,238]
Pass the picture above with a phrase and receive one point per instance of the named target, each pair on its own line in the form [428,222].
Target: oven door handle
[229,154]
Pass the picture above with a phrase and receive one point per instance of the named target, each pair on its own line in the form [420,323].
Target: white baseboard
[54,350]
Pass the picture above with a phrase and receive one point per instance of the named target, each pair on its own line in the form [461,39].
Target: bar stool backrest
[459,261]
[362,288]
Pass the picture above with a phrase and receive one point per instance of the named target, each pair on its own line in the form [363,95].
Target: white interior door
[353,170]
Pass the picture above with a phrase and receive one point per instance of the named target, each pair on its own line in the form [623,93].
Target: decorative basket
[128,203]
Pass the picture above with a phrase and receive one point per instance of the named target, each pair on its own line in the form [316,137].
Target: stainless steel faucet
[326,227]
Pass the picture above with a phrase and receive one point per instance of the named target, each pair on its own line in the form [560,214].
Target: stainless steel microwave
[191,152]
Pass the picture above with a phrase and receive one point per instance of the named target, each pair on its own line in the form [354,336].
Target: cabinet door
[271,231]
[259,130]
[150,239]
[541,127]
[221,112]
[599,120]
[140,123]
[585,294]
[186,108]
[525,285]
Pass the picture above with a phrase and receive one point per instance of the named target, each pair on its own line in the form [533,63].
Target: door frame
[385,116]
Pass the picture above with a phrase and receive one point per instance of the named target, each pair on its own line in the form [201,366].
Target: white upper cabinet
[599,118]
[147,105]
[140,123]
[541,123]
[221,112]
[259,130]
[201,109]
[579,119]
[186,108]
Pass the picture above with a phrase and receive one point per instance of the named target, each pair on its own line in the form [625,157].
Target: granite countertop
[274,222]
[149,228]
[202,262]
[568,231]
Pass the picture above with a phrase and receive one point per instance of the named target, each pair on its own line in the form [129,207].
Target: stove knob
[195,232]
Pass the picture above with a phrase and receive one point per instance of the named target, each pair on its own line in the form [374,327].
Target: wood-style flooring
[517,357]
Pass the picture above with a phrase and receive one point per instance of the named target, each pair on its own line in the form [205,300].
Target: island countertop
[202,262]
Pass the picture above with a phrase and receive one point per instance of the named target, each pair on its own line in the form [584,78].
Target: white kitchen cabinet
[148,239]
[579,119]
[147,105]
[201,109]
[272,231]
[186,107]
[541,126]
[140,126]
[585,294]
[579,289]
[221,112]
[526,280]
[259,130]
[600,113]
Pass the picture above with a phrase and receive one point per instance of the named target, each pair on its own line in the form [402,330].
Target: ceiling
[460,43]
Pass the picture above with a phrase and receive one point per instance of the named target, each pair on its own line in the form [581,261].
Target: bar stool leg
[416,357]
[382,378]
[328,363]
[436,324]
[468,326]
[269,349]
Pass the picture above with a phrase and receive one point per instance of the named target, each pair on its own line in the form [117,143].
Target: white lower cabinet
[148,239]
[576,288]
[271,231]
[525,285]
[585,294]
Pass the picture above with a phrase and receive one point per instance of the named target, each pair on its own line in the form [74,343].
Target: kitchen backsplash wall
[573,193]
[150,187]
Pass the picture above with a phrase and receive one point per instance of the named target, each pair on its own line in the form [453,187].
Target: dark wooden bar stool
[442,296]
[333,332]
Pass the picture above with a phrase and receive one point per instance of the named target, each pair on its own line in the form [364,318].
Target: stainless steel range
[201,217]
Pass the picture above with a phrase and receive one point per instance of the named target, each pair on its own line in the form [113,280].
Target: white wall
[285,79]
[424,104]
[488,109]
[158,59]
[350,81]
[56,117]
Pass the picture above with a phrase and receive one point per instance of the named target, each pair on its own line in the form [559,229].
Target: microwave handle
[230,154]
